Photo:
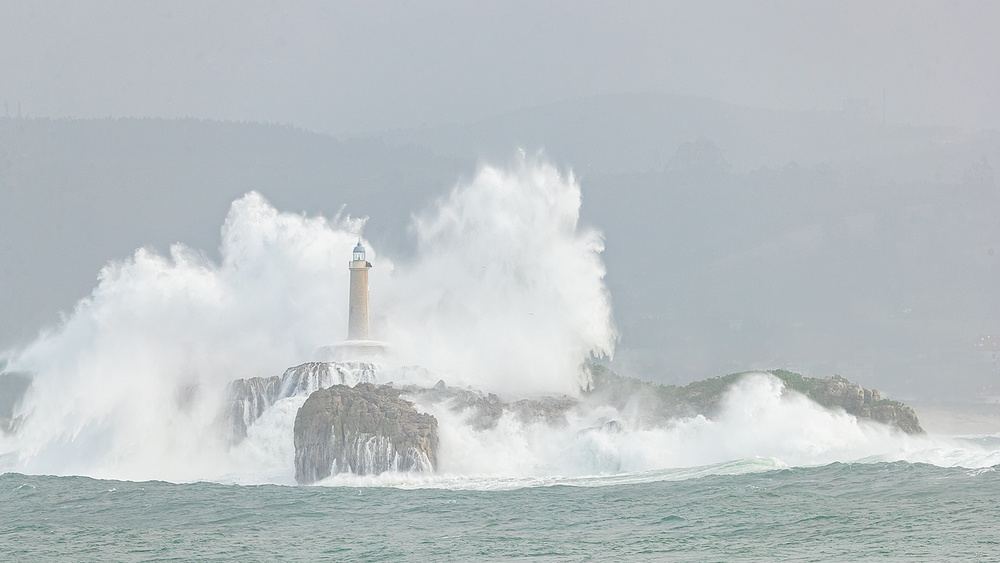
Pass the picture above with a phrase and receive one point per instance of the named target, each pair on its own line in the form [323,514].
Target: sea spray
[505,295]
[131,383]
[757,419]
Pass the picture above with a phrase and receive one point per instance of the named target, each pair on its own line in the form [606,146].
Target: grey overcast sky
[347,67]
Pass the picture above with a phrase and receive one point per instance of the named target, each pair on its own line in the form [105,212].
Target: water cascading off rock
[249,398]
[365,430]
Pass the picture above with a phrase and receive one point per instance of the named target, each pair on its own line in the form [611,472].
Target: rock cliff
[366,430]
[833,392]
[249,398]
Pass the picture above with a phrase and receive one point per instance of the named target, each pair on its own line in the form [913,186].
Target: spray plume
[505,294]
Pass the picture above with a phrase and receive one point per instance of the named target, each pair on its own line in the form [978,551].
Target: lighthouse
[359,345]
[358,327]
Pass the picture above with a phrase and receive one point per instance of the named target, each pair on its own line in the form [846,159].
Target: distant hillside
[741,237]
[823,242]
[713,270]
[615,134]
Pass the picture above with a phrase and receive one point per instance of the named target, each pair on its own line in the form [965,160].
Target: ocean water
[896,511]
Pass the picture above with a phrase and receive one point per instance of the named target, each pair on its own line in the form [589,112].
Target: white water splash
[759,428]
[506,294]
[757,420]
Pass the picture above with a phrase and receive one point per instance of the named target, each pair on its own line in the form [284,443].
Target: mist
[132,381]
[712,280]
[131,384]
[773,185]
[359,67]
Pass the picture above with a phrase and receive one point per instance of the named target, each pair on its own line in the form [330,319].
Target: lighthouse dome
[359,252]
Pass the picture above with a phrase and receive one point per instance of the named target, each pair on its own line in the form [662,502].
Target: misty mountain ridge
[613,134]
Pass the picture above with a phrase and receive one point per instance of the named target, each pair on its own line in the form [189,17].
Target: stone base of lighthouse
[352,350]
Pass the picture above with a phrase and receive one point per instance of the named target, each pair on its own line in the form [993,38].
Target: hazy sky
[74,195]
[349,67]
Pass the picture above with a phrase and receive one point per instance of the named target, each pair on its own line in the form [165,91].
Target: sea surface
[738,511]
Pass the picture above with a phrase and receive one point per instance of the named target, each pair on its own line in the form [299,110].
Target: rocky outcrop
[366,430]
[485,409]
[893,413]
[837,392]
[653,404]
[249,398]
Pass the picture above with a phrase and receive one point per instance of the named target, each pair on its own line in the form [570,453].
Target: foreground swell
[845,512]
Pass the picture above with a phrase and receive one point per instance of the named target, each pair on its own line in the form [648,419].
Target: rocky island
[703,397]
[348,424]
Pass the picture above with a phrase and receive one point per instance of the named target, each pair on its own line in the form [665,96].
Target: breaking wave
[505,294]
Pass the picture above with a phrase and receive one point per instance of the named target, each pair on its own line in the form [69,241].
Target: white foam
[757,420]
[506,294]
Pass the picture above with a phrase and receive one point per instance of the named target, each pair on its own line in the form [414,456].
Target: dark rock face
[364,430]
[834,392]
[895,414]
[249,398]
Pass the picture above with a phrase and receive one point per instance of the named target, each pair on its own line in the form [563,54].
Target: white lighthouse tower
[359,344]
[358,325]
